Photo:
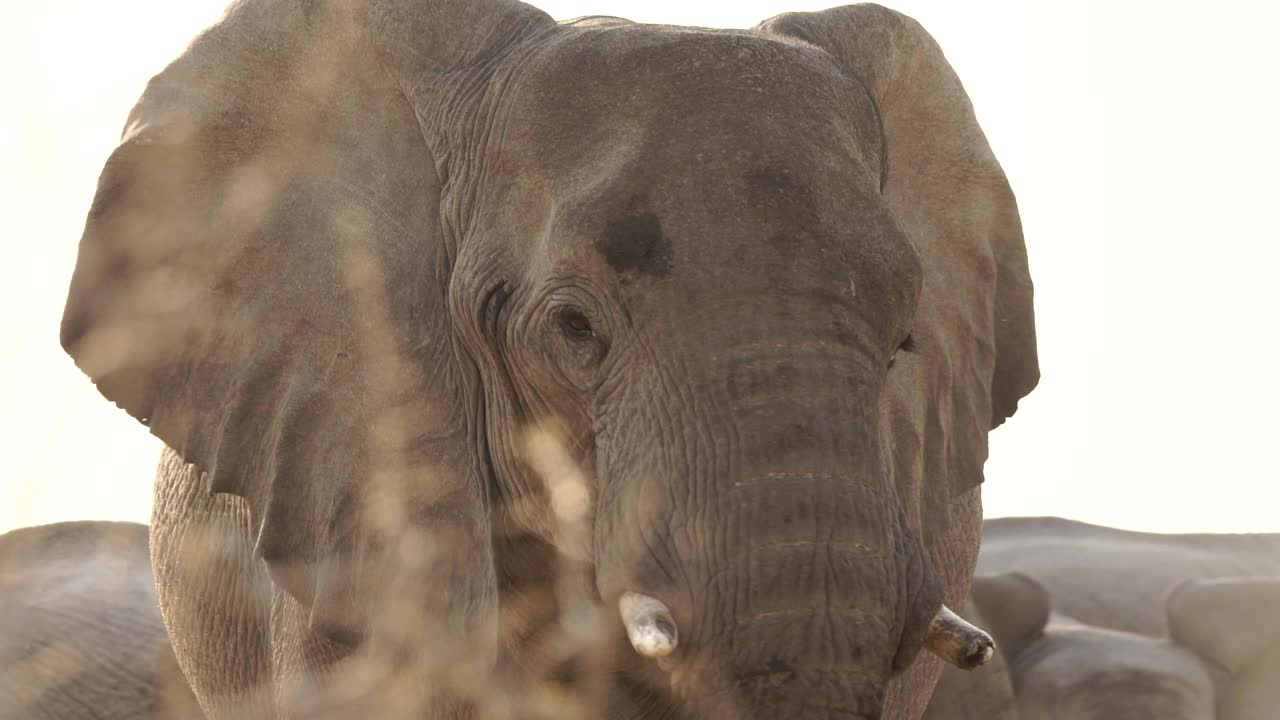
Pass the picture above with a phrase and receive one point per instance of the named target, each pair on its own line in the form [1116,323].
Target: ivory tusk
[650,627]
[955,640]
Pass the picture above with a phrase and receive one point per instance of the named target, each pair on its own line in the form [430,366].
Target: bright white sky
[1140,138]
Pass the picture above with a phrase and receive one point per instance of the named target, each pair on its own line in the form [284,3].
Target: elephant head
[1212,668]
[767,287]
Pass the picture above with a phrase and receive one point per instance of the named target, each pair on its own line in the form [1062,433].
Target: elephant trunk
[782,582]
[808,615]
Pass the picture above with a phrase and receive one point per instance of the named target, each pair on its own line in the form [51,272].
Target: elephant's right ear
[263,280]
[1014,607]
[975,322]
[1230,621]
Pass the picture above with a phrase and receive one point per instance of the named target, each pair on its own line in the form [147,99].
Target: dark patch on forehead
[635,243]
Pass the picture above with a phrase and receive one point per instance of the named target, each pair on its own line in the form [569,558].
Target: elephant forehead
[746,232]
[707,96]
[701,160]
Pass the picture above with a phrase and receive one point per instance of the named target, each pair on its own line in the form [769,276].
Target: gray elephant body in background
[1221,662]
[1153,623]
[1062,669]
[1117,578]
[81,637]
[521,367]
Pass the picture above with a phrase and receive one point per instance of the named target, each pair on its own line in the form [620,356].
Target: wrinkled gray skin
[81,636]
[349,252]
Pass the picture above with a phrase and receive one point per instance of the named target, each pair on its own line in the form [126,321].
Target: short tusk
[650,627]
[953,639]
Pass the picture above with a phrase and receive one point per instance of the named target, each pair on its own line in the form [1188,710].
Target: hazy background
[1140,138]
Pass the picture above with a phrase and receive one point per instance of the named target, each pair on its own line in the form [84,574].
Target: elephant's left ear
[1230,621]
[264,281]
[975,323]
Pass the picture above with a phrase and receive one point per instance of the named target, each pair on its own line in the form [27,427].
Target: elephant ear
[263,281]
[975,323]
[1014,607]
[1233,622]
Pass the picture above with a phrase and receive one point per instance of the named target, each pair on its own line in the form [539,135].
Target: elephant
[1124,580]
[509,366]
[1222,661]
[81,637]
[1117,578]
[1116,584]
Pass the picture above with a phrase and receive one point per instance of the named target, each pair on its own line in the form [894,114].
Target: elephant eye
[575,324]
[908,345]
